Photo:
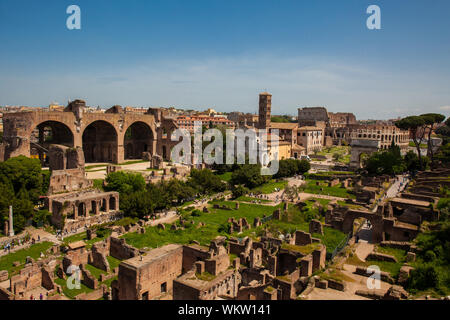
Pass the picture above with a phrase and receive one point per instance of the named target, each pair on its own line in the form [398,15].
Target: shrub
[429,256]
[423,277]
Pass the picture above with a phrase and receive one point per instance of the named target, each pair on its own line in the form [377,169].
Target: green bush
[423,277]
[429,256]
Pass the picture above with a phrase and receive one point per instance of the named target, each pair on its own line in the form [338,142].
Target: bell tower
[265,104]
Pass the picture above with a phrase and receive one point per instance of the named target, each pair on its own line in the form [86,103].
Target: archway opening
[100,142]
[112,203]
[93,207]
[138,139]
[81,209]
[46,134]
[103,205]
[362,229]
[363,159]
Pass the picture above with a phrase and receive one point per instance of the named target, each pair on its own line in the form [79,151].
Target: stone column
[107,205]
[75,212]
[11,223]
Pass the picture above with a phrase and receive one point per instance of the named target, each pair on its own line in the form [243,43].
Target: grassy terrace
[299,220]
[270,186]
[226,176]
[82,236]
[6,262]
[96,272]
[391,267]
[312,187]
[343,151]
[305,250]
[215,224]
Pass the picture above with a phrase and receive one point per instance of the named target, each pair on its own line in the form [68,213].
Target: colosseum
[111,136]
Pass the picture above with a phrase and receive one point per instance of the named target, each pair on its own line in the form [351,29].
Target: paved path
[34,233]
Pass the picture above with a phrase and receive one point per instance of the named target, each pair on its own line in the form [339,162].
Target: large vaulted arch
[137,140]
[100,142]
[47,133]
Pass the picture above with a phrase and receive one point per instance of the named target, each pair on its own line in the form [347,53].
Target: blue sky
[221,54]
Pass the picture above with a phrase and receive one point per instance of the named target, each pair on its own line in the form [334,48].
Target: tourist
[41,296]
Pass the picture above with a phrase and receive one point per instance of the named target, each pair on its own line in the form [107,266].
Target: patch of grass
[87,168]
[355,261]
[391,267]
[71,293]
[205,276]
[399,254]
[269,289]
[335,274]
[215,225]
[34,251]
[109,281]
[96,272]
[349,205]
[270,186]
[225,176]
[133,162]
[312,187]
[113,262]
[232,257]
[305,250]
[74,238]
[98,184]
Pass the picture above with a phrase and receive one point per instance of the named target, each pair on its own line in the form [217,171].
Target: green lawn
[312,187]
[225,176]
[350,205]
[83,237]
[6,262]
[133,162]
[71,293]
[113,262]
[270,186]
[392,267]
[299,220]
[96,272]
[215,221]
[422,145]
[343,151]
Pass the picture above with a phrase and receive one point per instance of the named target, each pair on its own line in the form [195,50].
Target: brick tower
[265,103]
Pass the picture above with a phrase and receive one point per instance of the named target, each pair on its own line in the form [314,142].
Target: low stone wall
[119,249]
[371,294]
[377,256]
[94,295]
[404,245]
[336,285]
[5,294]
[384,276]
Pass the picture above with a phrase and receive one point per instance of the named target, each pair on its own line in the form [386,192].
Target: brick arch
[141,139]
[100,142]
[375,220]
